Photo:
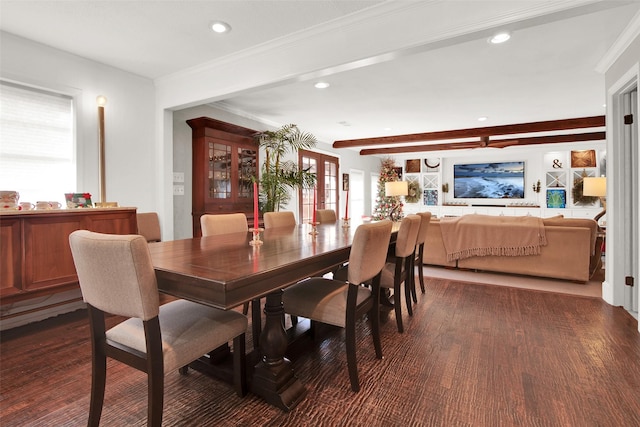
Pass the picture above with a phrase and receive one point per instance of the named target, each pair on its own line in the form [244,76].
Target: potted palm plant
[279,176]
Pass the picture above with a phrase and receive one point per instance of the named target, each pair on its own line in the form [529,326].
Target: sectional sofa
[570,252]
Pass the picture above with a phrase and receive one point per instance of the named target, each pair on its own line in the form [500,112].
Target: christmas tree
[384,205]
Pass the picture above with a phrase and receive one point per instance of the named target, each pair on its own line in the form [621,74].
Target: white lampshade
[396,188]
[594,186]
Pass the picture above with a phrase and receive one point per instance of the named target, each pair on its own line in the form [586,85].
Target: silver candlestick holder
[345,222]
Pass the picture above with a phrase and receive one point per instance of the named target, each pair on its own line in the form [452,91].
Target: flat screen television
[502,180]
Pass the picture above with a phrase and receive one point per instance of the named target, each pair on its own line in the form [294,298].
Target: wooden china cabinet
[225,160]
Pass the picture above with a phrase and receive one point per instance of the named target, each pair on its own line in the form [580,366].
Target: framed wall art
[583,159]
[345,182]
[412,166]
[556,198]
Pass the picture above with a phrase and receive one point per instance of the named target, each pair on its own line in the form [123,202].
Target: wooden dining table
[225,271]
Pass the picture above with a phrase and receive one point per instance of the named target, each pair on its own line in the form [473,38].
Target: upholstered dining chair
[400,271]
[425,219]
[212,225]
[149,226]
[116,276]
[326,216]
[279,219]
[340,303]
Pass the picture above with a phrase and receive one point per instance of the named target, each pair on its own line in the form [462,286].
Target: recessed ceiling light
[322,85]
[220,27]
[500,38]
[482,119]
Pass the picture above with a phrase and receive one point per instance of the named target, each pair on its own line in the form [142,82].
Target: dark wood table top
[225,271]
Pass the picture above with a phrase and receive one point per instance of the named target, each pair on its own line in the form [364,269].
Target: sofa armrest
[434,252]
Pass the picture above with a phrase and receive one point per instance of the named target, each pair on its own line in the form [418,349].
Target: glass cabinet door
[219,171]
[247,170]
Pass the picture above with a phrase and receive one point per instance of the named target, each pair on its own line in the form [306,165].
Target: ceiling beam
[546,126]
[486,143]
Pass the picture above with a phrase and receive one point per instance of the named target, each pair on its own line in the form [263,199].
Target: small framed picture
[583,159]
[398,171]
[412,166]
[431,197]
[78,200]
[345,182]
[556,198]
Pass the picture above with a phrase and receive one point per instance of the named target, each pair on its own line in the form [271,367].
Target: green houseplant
[279,176]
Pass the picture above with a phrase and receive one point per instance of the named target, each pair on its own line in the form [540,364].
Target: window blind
[37,156]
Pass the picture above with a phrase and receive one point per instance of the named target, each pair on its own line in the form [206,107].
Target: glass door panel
[310,164]
[330,186]
[219,171]
[326,169]
[246,172]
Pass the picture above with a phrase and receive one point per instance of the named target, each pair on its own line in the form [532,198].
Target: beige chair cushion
[279,219]
[405,245]
[213,225]
[326,216]
[373,241]
[407,235]
[188,331]
[124,283]
[324,299]
[425,219]
[149,226]
[321,299]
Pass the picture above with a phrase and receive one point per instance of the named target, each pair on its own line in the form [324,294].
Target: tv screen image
[502,180]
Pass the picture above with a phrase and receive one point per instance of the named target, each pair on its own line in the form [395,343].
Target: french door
[326,169]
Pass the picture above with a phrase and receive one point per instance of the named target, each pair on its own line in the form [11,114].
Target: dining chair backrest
[368,251]
[279,219]
[326,216]
[116,276]
[124,282]
[213,225]
[407,235]
[149,226]
[425,219]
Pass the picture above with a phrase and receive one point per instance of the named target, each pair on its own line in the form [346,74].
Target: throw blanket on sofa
[483,235]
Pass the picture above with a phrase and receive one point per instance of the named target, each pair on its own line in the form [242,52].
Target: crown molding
[628,35]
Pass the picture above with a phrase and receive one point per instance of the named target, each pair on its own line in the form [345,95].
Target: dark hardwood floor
[472,355]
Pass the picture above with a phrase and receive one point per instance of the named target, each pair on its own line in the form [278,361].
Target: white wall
[129,117]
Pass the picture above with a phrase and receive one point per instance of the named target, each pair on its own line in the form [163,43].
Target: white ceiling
[545,72]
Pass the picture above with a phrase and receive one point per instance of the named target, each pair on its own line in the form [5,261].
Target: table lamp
[395,189]
[596,187]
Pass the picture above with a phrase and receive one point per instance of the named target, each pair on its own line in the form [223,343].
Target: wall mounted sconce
[101,100]
[536,187]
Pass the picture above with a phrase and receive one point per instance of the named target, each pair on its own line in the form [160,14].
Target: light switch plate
[178,177]
[178,190]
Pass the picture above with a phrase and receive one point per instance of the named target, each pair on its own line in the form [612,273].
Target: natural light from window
[37,156]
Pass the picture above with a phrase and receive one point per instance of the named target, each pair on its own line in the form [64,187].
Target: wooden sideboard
[34,245]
